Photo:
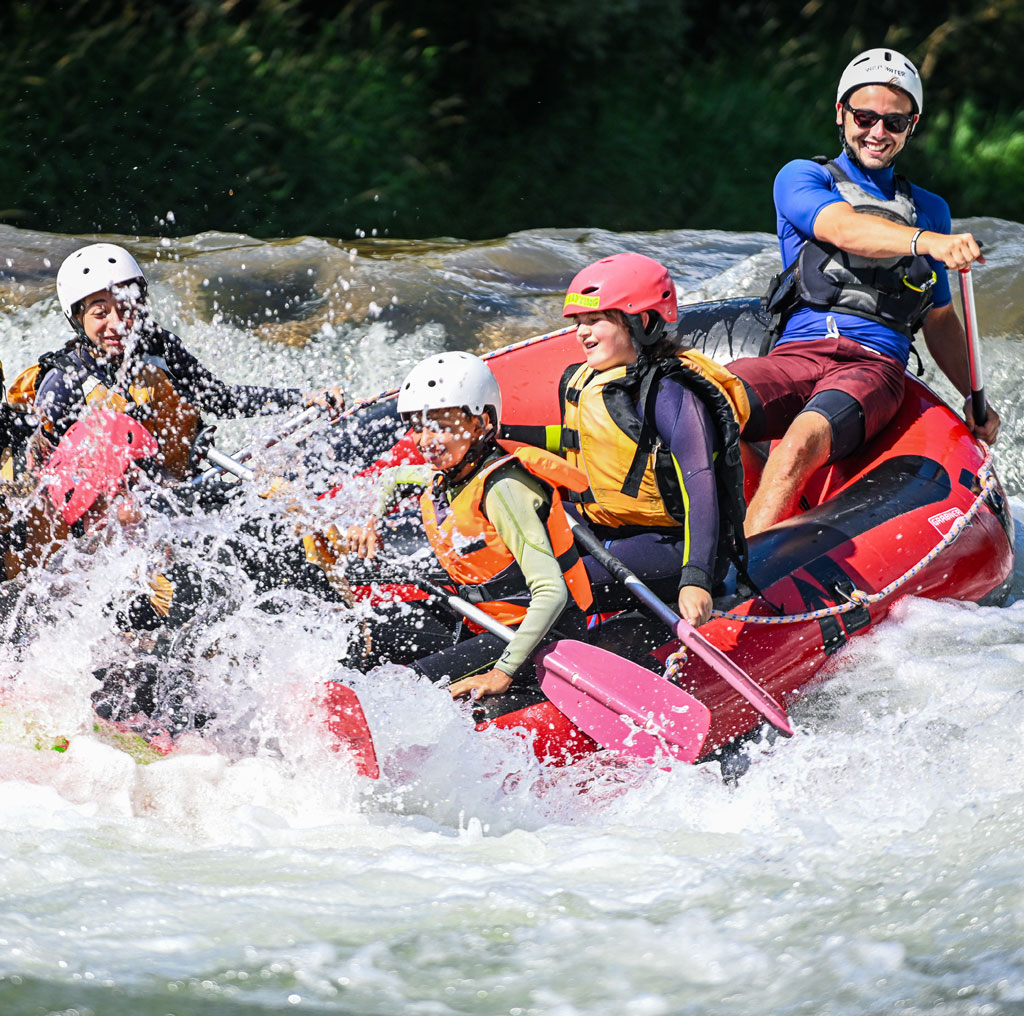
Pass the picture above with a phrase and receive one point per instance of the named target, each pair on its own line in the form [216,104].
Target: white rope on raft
[858,598]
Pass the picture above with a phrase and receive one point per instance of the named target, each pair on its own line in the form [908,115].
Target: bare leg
[804,448]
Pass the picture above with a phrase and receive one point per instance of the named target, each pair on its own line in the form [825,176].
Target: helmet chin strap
[470,462]
[640,337]
[850,153]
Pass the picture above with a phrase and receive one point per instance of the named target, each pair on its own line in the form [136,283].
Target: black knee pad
[845,418]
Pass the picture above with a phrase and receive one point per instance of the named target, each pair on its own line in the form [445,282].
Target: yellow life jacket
[474,555]
[633,481]
[168,416]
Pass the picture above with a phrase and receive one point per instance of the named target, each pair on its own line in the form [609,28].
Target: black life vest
[151,395]
[896,292]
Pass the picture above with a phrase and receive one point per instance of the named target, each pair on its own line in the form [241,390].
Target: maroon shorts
[856,389]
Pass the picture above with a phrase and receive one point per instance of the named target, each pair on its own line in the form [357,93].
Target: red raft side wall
[928,459]
[529,376]
[920,469]
[873,517]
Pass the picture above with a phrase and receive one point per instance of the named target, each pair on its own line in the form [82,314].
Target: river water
[872,864]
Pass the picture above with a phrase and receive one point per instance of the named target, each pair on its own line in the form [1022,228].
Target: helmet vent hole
[589,289]
[431,384]
[85,271]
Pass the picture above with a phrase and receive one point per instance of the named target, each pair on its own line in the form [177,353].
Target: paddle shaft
[228,464]
[233,463]
[468,610]
[978,404]
[726,668]
[300,421]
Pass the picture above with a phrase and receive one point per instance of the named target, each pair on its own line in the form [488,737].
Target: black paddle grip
[588,542]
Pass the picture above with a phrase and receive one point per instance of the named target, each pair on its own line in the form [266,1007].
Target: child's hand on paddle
[493,682]
[362,540]
[695,605]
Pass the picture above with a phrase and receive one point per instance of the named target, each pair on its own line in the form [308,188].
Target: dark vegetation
[421,118]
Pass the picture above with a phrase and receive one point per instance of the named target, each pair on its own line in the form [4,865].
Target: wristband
[913,242]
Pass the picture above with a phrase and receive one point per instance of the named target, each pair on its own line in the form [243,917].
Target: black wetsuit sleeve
[59,400]
[685,427]
[13,431]
[205,390]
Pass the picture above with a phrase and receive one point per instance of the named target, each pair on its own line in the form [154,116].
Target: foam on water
[873,863]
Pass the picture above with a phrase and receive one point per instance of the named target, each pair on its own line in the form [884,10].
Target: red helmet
[91,460]
[631,283]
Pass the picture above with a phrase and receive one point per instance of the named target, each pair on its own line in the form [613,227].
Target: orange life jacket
[474,555]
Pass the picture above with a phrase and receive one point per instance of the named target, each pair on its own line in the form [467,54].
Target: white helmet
[93,269]
[882,67]
[451,380]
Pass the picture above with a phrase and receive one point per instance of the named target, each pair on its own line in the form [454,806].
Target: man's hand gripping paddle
[978,405]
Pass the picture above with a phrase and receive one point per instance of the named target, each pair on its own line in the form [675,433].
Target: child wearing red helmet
[645,423]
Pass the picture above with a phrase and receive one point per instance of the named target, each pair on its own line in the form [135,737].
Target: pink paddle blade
[92,459]
[347,722]
[621,705]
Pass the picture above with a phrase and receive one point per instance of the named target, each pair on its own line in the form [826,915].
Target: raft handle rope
[857,598]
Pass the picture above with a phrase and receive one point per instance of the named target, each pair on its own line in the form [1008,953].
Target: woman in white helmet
[865,254]
[495,521]
[121,358]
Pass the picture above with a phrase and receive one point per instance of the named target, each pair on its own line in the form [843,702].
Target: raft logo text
[950,515]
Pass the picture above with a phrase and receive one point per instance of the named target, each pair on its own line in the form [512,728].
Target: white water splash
[872,864]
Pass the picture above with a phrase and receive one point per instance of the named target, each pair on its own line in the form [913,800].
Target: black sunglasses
[894,123]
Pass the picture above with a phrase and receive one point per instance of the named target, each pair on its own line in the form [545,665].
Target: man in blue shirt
[866,255]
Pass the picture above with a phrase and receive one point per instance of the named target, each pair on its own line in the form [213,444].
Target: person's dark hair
[664,349]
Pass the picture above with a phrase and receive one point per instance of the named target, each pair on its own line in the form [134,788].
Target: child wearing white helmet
[494,520]
[122,359]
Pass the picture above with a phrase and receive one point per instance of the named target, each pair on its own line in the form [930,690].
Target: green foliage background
[436,117]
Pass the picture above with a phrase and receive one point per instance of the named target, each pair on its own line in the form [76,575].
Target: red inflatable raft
[886,523]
